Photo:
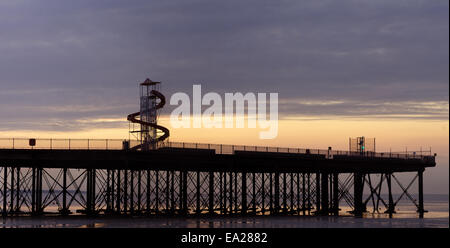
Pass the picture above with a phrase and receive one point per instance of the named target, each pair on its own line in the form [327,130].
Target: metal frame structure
[148,134]
[64,191]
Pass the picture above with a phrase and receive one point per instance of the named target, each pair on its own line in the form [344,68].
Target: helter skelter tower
[149,132]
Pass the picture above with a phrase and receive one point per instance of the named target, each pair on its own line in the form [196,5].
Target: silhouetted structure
[192,181]
[148,116]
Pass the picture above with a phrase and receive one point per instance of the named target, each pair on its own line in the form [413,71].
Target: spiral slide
[132,118]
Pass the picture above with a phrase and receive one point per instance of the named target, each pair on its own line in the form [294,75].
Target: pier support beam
[37,192]
[244,193]
[180,193]
[263,194]
[224,192]
[172,192]
[125,191]
[324,195]
[108,191]
[157,191]
[185,192]
[118,192]
[298,194]
[132,192]
[64,210]
[236,204]
[211,193]
[391,206]
[336,193]
[33,190]
[5,188]
[304,193]
[112,191]
[139,195]
[198,187]
[317,193]
[93,190]
[18,192]
[90,194]
[147,208]
[277,193]
[358,186]
[420,209]
[270,193]
[284,193]
[254,193]
[148,192]
[168,190]
[11,192]
[231,192]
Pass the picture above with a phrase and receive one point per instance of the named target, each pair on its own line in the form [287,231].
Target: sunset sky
[342,69]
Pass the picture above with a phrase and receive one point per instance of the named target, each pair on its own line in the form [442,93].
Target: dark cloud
[94,53]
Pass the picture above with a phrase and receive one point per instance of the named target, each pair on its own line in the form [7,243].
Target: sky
[342,68]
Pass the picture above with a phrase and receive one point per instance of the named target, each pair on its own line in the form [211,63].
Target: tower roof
[149,82]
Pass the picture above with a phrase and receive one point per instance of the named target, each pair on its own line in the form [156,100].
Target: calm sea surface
[437,216]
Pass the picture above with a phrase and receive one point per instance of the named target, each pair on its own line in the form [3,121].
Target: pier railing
[117,144]
[230,149]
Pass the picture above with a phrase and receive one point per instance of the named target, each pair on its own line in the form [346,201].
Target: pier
[101,177]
